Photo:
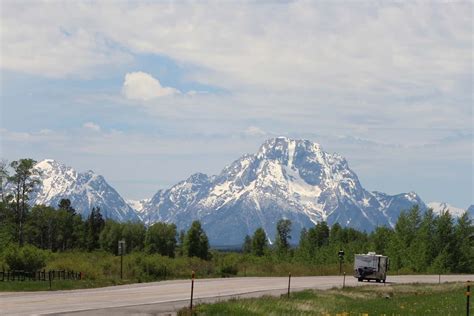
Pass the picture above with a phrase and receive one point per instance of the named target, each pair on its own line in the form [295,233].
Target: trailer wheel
[360,279]
[383,280]
[377,280]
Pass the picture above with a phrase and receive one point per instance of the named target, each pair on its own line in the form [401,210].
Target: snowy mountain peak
[440,207]
[286,178]
[85,190]
[284,149]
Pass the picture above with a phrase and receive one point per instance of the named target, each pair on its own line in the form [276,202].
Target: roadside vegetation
[418,299]
[58,238]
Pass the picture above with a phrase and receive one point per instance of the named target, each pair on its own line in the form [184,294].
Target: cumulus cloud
[142,86]
[91,126]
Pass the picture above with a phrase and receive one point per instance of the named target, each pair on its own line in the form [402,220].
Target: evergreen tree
[405,233]
[259,242]
[181,238]
[23,183]
[423,251]
[320,235]
[335,234]
[464,245]
[94,225]
[247,246]
[66,215]
[283,229]
[65,204]
[196,243]
[445,241]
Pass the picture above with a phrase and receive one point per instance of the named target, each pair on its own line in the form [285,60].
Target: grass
[417,299]
[100,269]
[15,286]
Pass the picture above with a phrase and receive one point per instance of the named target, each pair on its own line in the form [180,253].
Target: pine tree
[464,245]
[94,225]
[446,242]
[259,242]
[196,243]
[283,235]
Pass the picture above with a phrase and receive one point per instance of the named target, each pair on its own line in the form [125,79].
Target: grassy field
[103,269]
[418,299]
[100,269]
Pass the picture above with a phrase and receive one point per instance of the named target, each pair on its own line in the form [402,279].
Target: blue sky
[148,93]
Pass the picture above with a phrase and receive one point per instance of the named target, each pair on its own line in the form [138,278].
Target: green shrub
[27,258]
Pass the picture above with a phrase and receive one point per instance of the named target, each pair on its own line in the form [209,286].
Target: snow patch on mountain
[440,207]
[138,205]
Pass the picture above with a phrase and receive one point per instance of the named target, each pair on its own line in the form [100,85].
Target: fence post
[192,292]
[468,295]
[289,283]
[49,274]
[344,281]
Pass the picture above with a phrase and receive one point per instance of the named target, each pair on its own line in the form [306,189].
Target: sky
[147,93]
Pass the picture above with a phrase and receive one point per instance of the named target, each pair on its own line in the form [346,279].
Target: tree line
[419,242]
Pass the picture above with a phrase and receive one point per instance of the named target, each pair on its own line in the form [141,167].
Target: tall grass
[445,299]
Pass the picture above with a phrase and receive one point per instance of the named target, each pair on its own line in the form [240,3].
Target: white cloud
[299,46]
[254,131]
[91,126]
[142,86]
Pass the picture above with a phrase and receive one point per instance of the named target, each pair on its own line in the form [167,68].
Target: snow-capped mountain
[85,190]
[439,207]
[286,178]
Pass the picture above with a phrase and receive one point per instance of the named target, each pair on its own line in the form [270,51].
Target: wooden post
[121,266]
[192,292]
[344,281]
[289,283]
[468,295]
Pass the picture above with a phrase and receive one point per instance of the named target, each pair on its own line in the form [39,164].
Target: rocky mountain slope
[286,178]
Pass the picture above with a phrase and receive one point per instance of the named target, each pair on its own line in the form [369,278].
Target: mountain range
[285,178]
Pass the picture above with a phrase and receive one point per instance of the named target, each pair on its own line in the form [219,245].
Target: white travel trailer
[370,266]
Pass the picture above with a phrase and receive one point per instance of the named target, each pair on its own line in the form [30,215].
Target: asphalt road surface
[164,298]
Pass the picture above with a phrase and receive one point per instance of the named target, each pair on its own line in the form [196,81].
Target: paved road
[168,296]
